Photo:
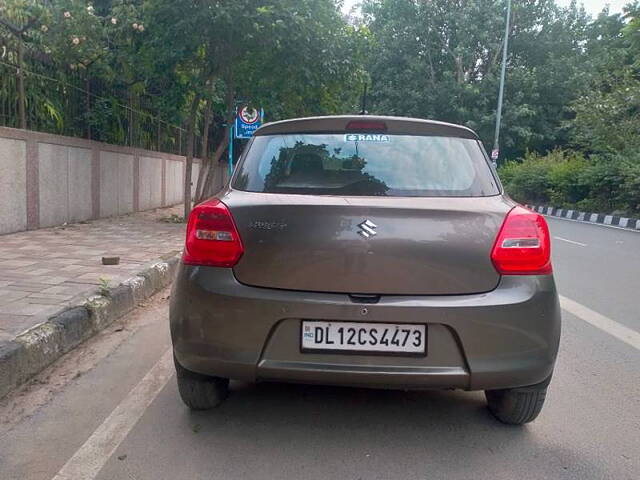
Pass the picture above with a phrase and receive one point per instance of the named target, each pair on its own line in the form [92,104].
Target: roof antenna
[364,101]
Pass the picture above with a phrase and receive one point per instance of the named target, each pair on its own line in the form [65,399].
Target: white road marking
[87,462]
[571,241]
[613,328]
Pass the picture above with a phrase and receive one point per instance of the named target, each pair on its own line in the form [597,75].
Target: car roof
[338,123]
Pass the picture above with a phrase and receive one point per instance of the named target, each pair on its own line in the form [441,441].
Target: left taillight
[212,236]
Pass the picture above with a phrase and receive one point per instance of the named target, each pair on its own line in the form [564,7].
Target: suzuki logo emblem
[367,228]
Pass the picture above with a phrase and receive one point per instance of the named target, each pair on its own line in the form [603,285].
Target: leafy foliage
[608,118]
[569,180]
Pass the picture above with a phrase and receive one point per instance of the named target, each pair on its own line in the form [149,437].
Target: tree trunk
[191,124]
[22,99]
[220,149]
[202,175]
[205,164]
[207,184]
[205,128]
[130,132]
[88,109]
[459,69]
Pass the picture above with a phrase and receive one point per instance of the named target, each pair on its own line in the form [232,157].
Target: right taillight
[212,236]
[523,246]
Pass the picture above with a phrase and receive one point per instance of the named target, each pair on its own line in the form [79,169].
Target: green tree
[440,59]
[291,56]
[607,114]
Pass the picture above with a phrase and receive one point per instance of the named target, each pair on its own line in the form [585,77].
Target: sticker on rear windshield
[367,137]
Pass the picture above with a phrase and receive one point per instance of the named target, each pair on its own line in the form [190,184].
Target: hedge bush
[567,179]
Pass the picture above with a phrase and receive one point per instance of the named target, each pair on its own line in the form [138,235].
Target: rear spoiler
[393,125]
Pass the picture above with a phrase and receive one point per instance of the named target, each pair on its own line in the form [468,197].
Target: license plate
[392,338]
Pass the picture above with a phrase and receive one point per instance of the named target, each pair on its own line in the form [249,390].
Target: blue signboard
[247,121]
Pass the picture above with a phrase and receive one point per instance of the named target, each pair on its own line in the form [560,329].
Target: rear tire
[200,392]
[516,406]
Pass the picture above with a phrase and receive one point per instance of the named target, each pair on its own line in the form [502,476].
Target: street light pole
[496,141]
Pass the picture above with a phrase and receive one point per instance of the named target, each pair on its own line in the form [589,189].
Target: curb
[32,351]
[587,217]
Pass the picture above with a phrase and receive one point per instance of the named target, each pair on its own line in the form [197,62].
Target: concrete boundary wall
[48,180]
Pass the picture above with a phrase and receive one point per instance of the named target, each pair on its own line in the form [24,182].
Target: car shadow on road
[333,432]
[283,431]
[353,407]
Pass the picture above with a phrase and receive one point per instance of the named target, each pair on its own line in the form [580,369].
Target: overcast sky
[591,6]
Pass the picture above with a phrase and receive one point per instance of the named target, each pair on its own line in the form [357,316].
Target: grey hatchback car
[367,251]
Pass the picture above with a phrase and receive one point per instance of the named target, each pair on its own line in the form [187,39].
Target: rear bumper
[504,338]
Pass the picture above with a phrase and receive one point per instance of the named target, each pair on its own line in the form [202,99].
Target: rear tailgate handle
[363,298]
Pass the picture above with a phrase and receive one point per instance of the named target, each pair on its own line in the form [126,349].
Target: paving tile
[72,268]
[69,289]
[95,277]
[58,261]
[44,301]
[82,267]
[27,287]
[16,263]
[29,248]
[53,255]
[41,270]
[52,280]
[8,296]
[22,308]
[10,275]
[46,296]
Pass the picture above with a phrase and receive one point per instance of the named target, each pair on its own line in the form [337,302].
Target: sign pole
[231,133]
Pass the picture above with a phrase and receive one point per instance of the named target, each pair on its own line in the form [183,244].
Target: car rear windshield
[366,164]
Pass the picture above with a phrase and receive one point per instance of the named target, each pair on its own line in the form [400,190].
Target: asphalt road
[110,410]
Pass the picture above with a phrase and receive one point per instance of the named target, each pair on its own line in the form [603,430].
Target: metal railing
[76,104]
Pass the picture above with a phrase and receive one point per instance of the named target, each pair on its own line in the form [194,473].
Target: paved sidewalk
[45,271]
